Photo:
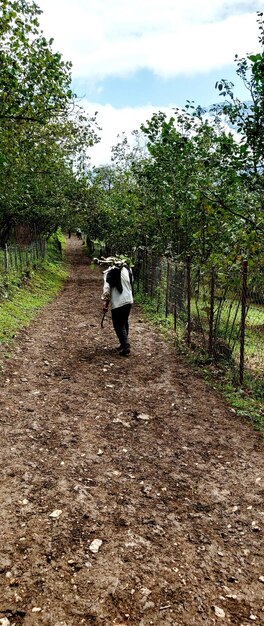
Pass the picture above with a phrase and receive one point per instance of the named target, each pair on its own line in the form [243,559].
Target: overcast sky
[131,58]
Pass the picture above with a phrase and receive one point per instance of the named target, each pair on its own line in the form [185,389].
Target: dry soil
[137,453]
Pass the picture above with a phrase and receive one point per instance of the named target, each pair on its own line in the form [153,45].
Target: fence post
[147,272]
[243,320]
[211,314]
[144,272]
[34,256]
[167,288]
[37,249]
[188,275]
[160,259]
[20,259]
[152,266]
[44,248]
[15,257]
[6,260]
[139,266]
[175,298]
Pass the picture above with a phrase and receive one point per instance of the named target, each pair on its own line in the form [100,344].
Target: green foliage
[248,117]
[55,246]
[187,185]
[35,82]
[246,402]
[44,134]
[27,297]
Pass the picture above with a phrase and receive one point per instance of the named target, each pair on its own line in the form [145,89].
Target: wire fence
[16,261]
[219,313]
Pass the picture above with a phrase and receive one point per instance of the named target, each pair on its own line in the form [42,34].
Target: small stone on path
[95,545]
[219,612]
[55,514]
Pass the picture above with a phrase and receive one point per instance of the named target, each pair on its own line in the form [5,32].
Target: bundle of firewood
[108,261]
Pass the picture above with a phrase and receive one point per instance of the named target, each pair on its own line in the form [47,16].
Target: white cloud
[105,38]
[170,37]
[113,123]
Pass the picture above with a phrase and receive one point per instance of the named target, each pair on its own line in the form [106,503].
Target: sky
[133,58]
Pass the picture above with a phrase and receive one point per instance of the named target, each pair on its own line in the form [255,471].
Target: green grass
[254,336]
[247,401]
[228,327]
[28,294]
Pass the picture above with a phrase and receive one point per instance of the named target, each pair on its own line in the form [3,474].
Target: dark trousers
[120,323]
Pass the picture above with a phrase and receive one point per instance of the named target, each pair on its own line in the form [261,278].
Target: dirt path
[135,452]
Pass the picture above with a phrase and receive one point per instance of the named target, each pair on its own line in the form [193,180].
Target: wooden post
[152,269]
[6,260]
[15,256]
[211,314]
[147,272]
[175,298]
[139,261]
[243,320]
[188,276]
[20,258]
[159,290]
[144,272]
[167,288]
[37,248]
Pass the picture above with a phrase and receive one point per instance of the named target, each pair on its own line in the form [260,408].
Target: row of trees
[44,133]
[192,183]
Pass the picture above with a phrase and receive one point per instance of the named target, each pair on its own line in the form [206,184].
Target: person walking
[118,292]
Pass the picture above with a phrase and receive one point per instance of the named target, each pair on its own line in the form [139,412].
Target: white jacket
[118,299]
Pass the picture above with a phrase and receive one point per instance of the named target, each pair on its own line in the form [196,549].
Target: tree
[194,188]
[34,81]
[44,133]
[247,118]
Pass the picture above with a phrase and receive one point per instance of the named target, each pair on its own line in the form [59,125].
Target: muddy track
[135,452]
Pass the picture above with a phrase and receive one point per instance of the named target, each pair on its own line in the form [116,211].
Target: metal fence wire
[219,312]
[15,261]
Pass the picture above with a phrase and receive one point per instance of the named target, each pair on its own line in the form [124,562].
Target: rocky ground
[130,493]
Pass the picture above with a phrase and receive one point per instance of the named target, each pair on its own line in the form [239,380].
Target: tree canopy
[196,186]
[189,184]
[44,133]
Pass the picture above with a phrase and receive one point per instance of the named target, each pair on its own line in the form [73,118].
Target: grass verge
[30,293]
[246,401]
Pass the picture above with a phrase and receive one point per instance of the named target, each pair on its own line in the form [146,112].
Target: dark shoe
[124,352]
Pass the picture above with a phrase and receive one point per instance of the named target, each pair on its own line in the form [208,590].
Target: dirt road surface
[130,493]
